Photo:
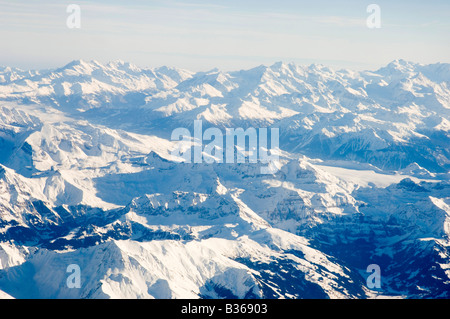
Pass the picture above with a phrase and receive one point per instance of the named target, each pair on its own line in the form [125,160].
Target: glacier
[88,177]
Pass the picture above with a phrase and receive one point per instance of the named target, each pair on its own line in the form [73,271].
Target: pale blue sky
[231,35]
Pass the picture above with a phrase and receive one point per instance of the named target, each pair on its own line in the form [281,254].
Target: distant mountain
[379,117]
[81,85]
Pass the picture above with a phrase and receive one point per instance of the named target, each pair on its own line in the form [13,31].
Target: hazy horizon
[333,67]
[201,35]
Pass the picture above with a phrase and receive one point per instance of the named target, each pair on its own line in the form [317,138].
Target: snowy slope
[82,85]
[87,177]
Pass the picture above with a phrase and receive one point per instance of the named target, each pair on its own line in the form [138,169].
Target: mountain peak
[121,64]
[278,65]
[400,65]
[73,63]
[398,68]
[81,66]
[213,71]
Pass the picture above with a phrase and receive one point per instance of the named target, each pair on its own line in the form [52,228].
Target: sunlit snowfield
[88,178]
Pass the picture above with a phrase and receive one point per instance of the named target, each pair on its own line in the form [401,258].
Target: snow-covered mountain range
[88,177]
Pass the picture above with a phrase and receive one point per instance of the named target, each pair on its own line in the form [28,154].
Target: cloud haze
[199,35]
